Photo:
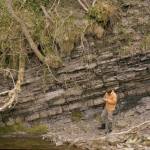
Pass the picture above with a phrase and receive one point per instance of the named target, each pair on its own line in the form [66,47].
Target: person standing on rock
[110,99]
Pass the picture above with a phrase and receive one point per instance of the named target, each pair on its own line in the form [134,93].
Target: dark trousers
[107,119]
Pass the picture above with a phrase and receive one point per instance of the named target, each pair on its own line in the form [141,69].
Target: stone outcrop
[85,75]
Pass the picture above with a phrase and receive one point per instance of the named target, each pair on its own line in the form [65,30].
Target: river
[29,144]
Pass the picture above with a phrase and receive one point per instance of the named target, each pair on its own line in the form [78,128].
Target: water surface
[29,143]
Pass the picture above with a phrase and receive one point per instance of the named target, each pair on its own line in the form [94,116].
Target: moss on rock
[76,115]
[22,127]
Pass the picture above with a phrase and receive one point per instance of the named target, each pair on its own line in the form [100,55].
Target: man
[110,99]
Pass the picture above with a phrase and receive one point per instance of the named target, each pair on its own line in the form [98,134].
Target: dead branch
[94,1]
[46,14]
[25,31]
[4,93]
[131,129]
[13,94]
[86,3]
[56,6]
[53,5]
[83,5]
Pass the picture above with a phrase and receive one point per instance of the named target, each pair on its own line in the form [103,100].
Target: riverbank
[131,131]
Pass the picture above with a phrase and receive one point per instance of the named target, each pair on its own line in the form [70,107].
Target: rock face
[117,60]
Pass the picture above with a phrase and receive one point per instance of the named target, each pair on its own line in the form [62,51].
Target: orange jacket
[111,101]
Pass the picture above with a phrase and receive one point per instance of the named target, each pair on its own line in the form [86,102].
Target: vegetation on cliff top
[53,29]
[48,30]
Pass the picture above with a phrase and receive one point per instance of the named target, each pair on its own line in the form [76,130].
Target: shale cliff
[121,60]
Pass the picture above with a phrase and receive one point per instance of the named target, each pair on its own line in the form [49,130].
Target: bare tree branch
[13,94]
[56,5]
[4,93]
[86,3]
[46,14]
[131,129]
[53,5]
[83,5]
[94,1]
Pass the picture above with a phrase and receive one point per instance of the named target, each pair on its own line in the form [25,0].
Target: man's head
[109,90]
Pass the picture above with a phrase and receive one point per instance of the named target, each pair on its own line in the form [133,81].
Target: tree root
[12,98]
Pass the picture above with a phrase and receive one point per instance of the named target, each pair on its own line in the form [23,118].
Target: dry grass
[57,38]
[145,44]
[103,12]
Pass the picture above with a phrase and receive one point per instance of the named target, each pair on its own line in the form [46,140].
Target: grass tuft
[76,115]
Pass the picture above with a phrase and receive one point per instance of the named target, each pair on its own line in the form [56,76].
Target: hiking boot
[109,129]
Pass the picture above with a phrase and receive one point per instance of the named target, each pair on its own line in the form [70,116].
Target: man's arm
[105,97]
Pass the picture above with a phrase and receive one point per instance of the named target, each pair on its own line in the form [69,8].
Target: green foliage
[8,47]
[76,116]
[98,15]
[12,40]
[102,12]
[37,129]
[34,5]
[20,127]
[66,33]
[56,39]
[12,128]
